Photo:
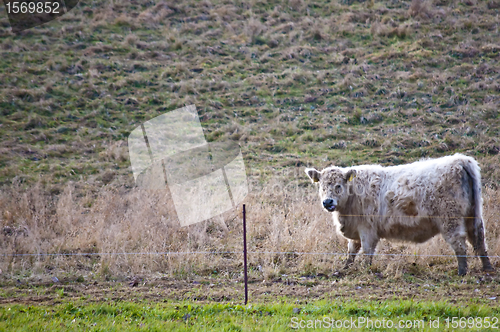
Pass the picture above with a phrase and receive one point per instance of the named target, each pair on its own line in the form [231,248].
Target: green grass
[281,315]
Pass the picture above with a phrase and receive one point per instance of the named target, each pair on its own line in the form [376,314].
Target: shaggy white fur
[412,202]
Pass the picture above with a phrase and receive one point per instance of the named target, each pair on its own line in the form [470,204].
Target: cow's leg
[454,234]
[369,242]
[478,244]
[353,248]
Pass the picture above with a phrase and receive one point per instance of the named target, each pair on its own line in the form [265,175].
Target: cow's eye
[338,188]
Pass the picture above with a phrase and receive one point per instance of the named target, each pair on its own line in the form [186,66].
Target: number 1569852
[31,7]
[472,322]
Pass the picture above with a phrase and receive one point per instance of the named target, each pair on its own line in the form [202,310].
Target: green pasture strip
[281,315]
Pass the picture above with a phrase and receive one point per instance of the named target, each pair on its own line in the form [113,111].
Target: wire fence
[235,252]
[406,216]
[270,252]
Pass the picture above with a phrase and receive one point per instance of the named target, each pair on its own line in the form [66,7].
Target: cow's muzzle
[330,204]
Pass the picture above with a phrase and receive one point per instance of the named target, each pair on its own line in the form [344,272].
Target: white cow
[412,202]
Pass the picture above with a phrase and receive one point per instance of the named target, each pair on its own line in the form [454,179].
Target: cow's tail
[472,168]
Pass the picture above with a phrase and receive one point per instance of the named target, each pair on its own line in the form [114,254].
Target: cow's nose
[329,204]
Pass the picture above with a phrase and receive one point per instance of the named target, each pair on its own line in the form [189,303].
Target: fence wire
[166,253]
[267,252]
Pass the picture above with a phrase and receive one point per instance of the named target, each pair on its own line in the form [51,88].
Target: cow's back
[414,199]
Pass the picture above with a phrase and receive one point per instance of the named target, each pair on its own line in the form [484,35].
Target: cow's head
[333,185]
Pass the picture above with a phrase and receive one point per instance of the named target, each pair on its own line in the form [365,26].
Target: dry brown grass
[283,216]
[296,82]
[254,28]
[420,9]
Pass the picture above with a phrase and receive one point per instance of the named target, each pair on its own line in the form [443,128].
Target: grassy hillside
[305,82]
[294,82]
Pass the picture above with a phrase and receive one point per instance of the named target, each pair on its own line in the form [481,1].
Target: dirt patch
[373,286]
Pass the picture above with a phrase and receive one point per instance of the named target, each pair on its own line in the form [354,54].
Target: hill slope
[310,82]
[294,82]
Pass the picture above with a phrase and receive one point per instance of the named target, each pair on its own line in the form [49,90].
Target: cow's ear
[313,174]
[351,174]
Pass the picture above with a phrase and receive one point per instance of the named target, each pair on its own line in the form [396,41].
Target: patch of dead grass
[282,216]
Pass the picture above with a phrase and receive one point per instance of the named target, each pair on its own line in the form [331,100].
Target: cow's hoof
[488,269]
[347,265]
[462,273]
